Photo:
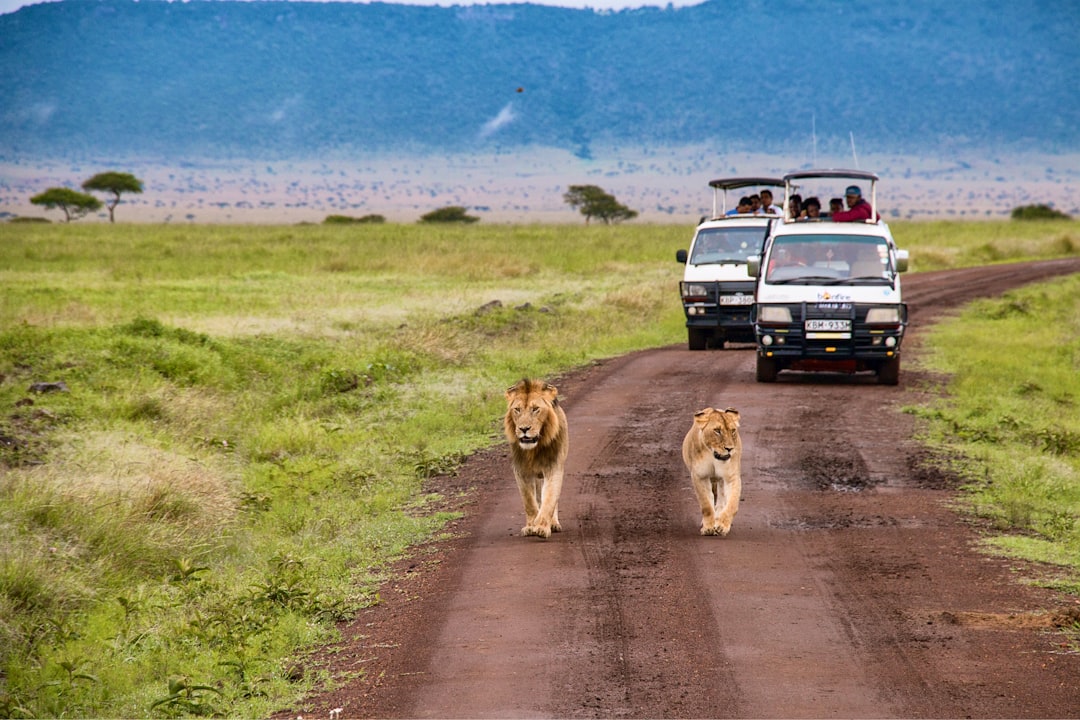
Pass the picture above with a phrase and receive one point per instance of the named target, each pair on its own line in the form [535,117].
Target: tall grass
[941,245]
[249,418]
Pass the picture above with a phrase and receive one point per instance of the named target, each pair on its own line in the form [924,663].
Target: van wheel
[699,339]
[766,369]
[889,372]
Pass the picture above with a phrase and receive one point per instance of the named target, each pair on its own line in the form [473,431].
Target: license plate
[736,299]
[828,325]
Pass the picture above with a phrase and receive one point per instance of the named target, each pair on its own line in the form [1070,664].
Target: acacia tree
[74,203]
[594,202]
[115,183]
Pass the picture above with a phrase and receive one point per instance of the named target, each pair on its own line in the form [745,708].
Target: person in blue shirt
[743,208]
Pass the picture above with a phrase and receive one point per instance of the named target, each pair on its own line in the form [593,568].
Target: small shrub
[186,698]
[452,214]
[338,381]
[143,408]
[150,328]
[349,220]
[1066,245]
[1038,212]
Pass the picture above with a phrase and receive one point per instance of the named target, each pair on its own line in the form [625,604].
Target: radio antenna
[854,156]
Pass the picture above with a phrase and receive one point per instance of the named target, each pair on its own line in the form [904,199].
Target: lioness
[712,452]
[535,425]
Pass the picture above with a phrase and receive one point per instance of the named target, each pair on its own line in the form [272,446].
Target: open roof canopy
[741,182]
[851,174]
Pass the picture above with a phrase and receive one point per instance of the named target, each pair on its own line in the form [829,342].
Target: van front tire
[889,372]
[698,339]
[766,369]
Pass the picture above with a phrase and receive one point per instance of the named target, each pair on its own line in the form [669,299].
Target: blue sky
[7,6]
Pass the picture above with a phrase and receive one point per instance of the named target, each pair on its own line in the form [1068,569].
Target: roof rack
[722,185]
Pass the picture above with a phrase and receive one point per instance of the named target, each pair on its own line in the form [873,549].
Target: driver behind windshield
[720,246]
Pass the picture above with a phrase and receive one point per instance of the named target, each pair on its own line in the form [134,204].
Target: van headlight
[694,291]
[883,316]
[774,314]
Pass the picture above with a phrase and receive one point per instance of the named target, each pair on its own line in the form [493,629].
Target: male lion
[535,425]
[712,452]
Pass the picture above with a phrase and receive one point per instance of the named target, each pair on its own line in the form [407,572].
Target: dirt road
[847,587]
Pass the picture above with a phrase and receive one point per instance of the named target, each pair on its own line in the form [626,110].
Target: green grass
[251,415]
[941,245]
[1012,416]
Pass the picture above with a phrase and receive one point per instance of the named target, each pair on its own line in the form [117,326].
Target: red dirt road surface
[847,587]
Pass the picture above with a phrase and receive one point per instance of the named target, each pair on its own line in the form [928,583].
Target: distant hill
[263,79]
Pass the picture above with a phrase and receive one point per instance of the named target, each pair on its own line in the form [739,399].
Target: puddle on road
[839,472]
[844,522]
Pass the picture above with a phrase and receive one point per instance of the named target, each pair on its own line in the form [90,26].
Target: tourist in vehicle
[858,209]
[767,206]
[866,261]
[795,205]
[785,257]
[743,208]
[755,204]
[835,205]
[811,209]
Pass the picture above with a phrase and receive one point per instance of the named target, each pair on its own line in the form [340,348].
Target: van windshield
[719,245]
[829,260]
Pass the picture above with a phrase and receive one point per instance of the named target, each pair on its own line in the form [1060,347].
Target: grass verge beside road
[248,414]
[1010,421]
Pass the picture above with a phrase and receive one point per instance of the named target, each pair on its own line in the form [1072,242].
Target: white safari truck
[828,292]
[717,293]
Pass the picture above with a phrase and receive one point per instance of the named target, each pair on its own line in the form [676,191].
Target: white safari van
[717,293]
[828,293]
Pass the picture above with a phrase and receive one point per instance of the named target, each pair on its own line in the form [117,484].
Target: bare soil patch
[847,587]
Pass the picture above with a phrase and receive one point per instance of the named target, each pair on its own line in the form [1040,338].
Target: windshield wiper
[827,280]
[822,279]
[724,261]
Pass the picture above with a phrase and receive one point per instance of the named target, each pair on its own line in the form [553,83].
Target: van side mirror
[901,260]
[753,265]
[680,255]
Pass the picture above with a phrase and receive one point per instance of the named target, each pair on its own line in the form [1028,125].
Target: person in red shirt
[858,209]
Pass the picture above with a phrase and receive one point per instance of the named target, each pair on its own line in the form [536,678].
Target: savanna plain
[216,440]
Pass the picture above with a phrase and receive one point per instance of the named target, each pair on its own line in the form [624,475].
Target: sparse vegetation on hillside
[443,78]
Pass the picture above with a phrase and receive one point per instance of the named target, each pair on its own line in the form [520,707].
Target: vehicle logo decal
[827,296]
